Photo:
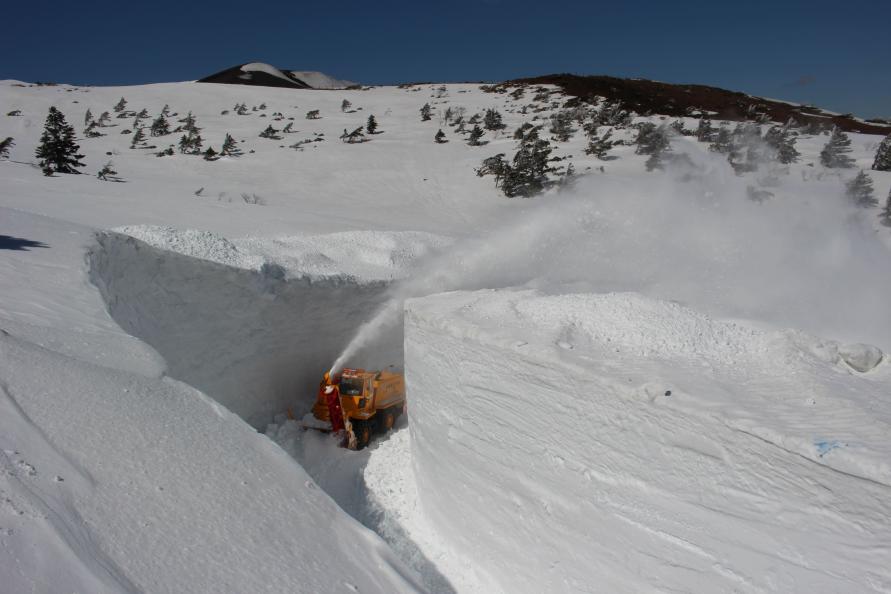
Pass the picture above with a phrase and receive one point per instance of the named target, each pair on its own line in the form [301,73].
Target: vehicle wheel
[362,431]
[387,420]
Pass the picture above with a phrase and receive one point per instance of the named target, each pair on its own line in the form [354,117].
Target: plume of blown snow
[801,257]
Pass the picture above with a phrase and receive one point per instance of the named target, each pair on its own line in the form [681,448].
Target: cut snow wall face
[256,343]
[556,479]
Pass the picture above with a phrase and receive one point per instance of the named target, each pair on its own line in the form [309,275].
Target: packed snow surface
[636,445]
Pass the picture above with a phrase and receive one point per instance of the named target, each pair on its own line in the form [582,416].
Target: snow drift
[254,333]
[636,445]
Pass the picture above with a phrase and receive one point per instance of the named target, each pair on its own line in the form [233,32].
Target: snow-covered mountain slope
[613,442]
[320,80]
[245,278]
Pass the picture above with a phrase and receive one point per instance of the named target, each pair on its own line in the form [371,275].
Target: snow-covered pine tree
[425,112]
[492,120]
[651,139]
[107,173]
[5,145]
[440,137]
[599,146]
[88,117]
[270,133]
[561,126]
[495,166]
[92,130]
[475,135]
[885,215]
[138,140]
[188,123]
[723,143]
[165,111]
[57,150]
[210,154]
[860,190]
[356,135]
[883,155]
[160,126]
[371,125]
[289,128]
[143,114]
[120,106]
[190,144]
[313,114]
[345,105]
[104,118]
[835,153]
[528,175]
[782,141]
[230,147]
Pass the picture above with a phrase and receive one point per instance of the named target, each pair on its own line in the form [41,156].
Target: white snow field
[149,329]
[618,443]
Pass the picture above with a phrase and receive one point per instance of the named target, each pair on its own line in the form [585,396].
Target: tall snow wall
[256,341]
[610,443]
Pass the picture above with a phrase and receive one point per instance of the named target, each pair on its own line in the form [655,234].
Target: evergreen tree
[371,126]
[496,166]
[210,154]
[704,131]
[289,128]
[242,109]
[356,135]
[270,133]
[345,105]
[492,120]
[528,175]
[425,112]
[313,114]
[121,105]
[561,126]
[834,154]
[651,139]
[57,150]
[440,137]
[160,127]
[475,135]
[230,147]
[138,140]
[5,145]
[107,173]
[104,118]
[447,116]
[600,145]
[781,140]
[885,215]
[883,155]
[88,117]
[860,191]
[143,114]
[188,123]
[165,111]
[723,143]
[190,144]
[92,130]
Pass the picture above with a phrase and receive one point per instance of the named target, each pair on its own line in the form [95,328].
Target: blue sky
[834,54]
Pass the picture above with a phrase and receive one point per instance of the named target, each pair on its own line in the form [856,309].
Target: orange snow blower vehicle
[360,403]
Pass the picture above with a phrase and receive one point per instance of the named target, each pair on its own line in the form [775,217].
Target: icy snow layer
[115,478]
[615,443]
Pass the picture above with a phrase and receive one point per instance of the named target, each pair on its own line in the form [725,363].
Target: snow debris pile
[645,445]
[252,322]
